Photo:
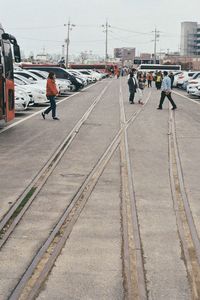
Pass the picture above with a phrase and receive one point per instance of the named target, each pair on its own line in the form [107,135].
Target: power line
[129,30]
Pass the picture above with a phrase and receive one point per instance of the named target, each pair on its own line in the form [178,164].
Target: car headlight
[19,98]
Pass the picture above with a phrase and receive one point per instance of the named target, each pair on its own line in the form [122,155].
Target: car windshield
[39,75]
[18,81]
[25,80]
[29,75]
[195,75]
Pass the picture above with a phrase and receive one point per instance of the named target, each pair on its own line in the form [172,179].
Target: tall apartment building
[190,39]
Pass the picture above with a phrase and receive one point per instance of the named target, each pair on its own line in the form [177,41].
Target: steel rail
[16,212]
[36,273]
[134,281]
[186,227]
[39,112]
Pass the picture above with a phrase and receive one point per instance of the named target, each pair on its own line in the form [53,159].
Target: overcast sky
[39,24]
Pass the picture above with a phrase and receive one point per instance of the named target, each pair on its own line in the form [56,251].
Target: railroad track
[16,212]
[187,231]
[135,285]
[41,264]
[132,252]
[33,114]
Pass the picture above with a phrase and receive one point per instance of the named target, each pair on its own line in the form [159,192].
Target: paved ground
[90,265]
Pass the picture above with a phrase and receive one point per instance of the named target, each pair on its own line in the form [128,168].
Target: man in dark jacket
[132,83]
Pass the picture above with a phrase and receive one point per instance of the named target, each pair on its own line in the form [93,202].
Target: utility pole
[156,36]
[106,44]
[69,28]
[63,51]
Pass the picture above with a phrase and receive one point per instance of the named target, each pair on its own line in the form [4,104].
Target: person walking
[132,83]
[141,85]
[166,91]
[51,92]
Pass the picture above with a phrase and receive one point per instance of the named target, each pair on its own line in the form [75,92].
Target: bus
[8,45]
[106,68]
[158,67]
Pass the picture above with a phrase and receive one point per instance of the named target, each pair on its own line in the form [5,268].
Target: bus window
[1,94]
[7,105]
[8,61]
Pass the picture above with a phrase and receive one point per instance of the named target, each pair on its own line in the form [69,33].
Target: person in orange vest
[51,92]
[117,72]
[149,79]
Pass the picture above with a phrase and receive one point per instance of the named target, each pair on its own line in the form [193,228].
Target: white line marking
[186,97]
[39,112]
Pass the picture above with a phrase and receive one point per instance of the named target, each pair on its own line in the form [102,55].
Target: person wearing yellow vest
[158,80]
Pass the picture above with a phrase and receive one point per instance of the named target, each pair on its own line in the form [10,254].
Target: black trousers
[162,98]
[132,96]
[149,83]
[158,85]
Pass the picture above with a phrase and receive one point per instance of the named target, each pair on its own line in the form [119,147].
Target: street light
[67,40]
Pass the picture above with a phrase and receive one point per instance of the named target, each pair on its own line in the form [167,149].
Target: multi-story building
[190,39]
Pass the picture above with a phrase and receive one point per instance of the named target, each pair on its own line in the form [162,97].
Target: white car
[63,85]
[193,89]
[97,75]
[38,93]
[183,77]
[195,79]
[88,74]
[32,78]
[25,87]
[21,99]
[76,73]
[176,78]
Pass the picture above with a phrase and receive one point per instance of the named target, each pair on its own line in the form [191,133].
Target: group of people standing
[159,78]
[163,82]
[136,83]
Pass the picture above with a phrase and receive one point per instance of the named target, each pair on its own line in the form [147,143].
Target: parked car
[96,74]
[193,89]
[183,77]
[39,94]
[33,78]
[20,84]
[64,86]
[86,79]
[176,78]
[60,73]
[195,79]
[21,99]
[88,74]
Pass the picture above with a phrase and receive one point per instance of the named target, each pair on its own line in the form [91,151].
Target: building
[146,56]
[124,54]
[190,39]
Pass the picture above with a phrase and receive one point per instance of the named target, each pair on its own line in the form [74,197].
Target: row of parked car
[189,81]
[30,84]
